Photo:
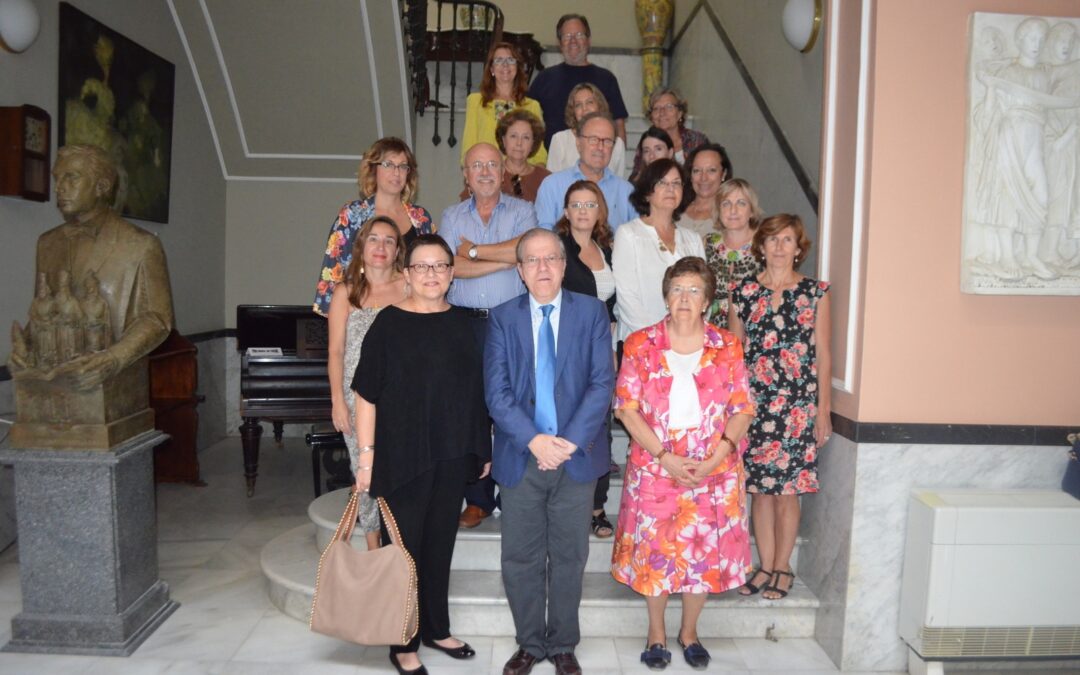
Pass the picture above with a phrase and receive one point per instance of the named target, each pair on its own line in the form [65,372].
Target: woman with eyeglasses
[649,244]
[667,110]
[502,88]
[422,421]
[584,98]
[585,233]
[372,281]
[783,319]
[388,180]
[709,167]
[683,394]
[655,143]
[728,252]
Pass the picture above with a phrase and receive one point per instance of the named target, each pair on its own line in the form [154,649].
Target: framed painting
[118,95]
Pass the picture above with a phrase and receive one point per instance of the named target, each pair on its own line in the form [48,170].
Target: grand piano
[282,389]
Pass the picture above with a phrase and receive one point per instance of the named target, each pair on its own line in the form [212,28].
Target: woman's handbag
[366,597]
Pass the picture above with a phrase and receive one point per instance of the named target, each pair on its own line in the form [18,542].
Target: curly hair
[776,224]
[520,115]
[355,279]
[601,232]
[487,81]
[646,183]
[691,264]
[377,153]
[97,162]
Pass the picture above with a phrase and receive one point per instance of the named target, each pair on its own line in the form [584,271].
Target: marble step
[480,548]
[608,609]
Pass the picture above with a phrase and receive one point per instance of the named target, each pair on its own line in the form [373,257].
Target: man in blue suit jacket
[547,470]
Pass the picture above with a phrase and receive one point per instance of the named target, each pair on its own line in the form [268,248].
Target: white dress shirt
[538,318]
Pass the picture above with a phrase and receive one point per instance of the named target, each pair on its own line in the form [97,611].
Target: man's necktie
[547,421]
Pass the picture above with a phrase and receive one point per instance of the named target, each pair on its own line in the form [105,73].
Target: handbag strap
[348,519]
[391,524]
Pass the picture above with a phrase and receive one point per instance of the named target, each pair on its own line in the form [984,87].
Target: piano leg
[279,431]
[250,432]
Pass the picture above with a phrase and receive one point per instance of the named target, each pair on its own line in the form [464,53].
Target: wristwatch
[473,252]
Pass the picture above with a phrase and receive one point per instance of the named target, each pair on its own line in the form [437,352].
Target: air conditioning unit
[991,575]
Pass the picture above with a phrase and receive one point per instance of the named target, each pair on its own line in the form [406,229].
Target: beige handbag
[366,597]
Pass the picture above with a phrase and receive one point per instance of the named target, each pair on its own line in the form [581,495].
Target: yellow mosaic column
[653,22]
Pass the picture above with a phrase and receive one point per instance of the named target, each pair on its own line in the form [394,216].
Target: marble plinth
[88,562]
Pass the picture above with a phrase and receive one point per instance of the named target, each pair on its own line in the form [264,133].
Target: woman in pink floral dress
[683,394]
[783,318]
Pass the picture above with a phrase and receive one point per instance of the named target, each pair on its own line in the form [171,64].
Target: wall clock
[25,141]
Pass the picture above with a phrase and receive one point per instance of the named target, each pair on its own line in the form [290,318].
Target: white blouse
[563,153]
[605,279]
[638,262]
[684,405]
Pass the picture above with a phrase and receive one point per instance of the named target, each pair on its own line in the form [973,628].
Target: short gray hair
[598,115]
[533,234]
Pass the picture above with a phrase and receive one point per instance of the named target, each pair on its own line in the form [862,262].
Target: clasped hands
[550,451]
[691,472]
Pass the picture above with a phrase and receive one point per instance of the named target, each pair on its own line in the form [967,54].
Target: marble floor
[209,543]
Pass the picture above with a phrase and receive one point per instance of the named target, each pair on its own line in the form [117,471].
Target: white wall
[194,237]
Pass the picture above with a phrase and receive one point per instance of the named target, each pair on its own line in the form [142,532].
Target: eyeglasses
[504,61]
[583,205]
[567,37]
[515,181]
[692,291]
[594,141]
[437,268]
[491,165]
[667,107]
[673,184]
[534,261]
[740,203]
[390,166]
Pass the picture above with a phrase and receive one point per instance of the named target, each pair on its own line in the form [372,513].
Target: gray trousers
[545,543]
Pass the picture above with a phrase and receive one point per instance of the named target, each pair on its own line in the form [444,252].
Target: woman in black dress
[423,431]
[585,232]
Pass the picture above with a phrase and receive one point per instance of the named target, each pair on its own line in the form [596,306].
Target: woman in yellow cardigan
[502,89]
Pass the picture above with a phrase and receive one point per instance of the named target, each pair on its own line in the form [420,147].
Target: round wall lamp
[801,21]
[19,24]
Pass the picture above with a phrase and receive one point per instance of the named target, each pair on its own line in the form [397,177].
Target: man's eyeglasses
[567,37]
[390,166]
[437,268]
[594,141]
[491,164]
[534,261]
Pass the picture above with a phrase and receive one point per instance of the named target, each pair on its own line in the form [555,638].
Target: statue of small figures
[69,321]
[95,310]
[42,326]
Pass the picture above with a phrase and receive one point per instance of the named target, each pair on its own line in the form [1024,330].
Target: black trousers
[426,510]
[481,492]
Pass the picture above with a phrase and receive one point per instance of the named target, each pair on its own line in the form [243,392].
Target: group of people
[493,347]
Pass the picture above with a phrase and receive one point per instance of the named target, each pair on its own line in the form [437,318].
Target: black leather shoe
[521,663]
[566,664]
[401,671]
[697,657]
[462,652]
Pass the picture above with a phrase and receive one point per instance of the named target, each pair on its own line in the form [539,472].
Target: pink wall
[928,352]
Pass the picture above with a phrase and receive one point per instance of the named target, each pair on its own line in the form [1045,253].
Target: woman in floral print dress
[684,397]
[783,319]
[728,251]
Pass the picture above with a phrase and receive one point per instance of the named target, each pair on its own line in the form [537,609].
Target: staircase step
[480,548]
[608,609]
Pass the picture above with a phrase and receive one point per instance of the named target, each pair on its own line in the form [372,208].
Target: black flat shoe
[697,657]
[462,652]
[656,657]
[401,671]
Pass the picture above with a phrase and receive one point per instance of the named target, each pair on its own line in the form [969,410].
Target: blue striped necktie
[545,417]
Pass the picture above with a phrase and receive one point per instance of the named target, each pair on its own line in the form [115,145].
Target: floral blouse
[645,380]
[340,243]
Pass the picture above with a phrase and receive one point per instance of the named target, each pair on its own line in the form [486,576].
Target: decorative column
[653,22]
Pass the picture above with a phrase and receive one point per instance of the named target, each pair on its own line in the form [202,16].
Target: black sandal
[600,522]
[753,589]
[775,580]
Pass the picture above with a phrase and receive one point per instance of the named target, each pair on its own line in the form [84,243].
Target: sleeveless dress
[781,355]
[357,327]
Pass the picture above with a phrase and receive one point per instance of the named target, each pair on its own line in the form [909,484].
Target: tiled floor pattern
[210,538]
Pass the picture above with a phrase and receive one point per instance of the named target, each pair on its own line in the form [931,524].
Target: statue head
[1030,35]
[1060,42]
[43,290]
[85,180]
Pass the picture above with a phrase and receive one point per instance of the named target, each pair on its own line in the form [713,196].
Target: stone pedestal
[88,561]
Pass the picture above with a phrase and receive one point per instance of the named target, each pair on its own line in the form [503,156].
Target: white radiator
[991,574]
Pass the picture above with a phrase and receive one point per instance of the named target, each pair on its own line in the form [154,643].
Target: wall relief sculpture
[1022,174]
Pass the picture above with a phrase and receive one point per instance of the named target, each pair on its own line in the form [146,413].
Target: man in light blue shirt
[483,232]
[595,141]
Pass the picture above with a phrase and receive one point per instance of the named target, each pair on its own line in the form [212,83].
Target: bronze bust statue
[102,302]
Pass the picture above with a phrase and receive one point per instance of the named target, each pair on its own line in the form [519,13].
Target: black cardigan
[579,278]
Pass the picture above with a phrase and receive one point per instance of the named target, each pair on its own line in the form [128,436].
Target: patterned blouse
[645,382]
[340,243]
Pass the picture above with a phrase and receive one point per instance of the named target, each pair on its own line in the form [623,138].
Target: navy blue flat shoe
[697,657]
[656,657]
